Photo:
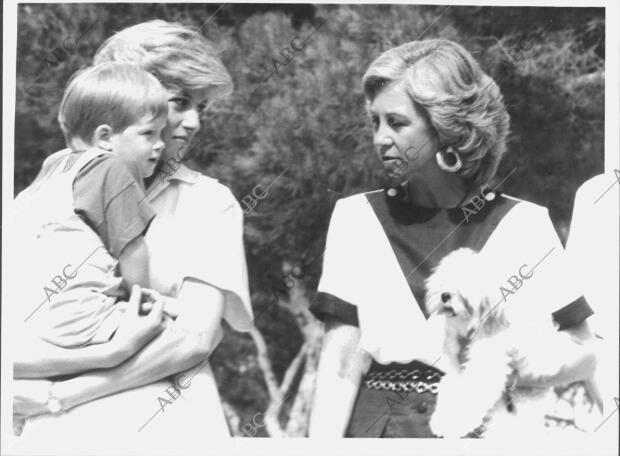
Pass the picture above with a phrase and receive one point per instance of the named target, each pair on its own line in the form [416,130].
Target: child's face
[141,144]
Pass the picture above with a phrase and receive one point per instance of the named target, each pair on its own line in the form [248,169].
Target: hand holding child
[138,326]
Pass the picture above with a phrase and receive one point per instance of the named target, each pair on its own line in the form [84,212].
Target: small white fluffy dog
[489,346]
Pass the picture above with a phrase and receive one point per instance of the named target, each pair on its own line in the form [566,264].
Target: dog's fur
[488,346]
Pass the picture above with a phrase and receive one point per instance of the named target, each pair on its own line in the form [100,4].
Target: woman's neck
[434,187]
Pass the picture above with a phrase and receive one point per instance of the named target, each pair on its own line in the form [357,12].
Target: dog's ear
[432,296]
[468,308]
[432,302]
[492,316]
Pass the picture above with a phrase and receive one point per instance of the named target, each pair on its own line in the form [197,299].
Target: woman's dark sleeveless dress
[397,400]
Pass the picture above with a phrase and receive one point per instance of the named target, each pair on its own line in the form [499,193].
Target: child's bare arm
[134,263]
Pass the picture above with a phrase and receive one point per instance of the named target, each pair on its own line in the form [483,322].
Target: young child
[81,226]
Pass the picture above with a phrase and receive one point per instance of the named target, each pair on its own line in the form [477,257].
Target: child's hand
[172,306]
[148,298]
[137,329]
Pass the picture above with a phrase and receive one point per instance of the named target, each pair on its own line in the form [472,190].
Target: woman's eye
[148,132]
[375,123]
[180,102]
[202,107]
[396,123]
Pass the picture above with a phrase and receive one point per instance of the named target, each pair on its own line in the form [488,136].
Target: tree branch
[292,369]
[272,423]
[232,418]
[262,356]
[586,79]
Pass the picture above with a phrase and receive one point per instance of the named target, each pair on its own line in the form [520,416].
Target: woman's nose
[191,120]
[382,142]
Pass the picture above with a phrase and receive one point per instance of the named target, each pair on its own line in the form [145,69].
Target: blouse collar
[406,212]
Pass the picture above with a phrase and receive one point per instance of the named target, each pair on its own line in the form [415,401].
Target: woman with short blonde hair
[164,397]
[439,128]
[463,104]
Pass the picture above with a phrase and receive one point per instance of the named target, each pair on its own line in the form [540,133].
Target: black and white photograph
[295,228]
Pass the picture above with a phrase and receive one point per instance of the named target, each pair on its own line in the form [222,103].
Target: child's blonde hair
[116,94]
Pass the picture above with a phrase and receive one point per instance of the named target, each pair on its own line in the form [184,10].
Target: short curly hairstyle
[179,56]
[463,104]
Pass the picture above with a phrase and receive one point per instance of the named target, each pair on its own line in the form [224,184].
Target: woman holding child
[192,231]
[440,128]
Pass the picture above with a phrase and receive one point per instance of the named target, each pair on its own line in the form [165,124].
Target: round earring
[449,160]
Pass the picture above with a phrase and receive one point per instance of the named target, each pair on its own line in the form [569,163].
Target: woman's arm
[183,344]
[39,359]
[340,371]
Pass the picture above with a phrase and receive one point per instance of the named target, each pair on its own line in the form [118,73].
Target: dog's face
[455,290]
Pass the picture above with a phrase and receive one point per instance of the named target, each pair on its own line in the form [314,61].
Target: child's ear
[103,134]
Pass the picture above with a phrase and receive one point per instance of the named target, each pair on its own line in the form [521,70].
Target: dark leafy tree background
[307,124]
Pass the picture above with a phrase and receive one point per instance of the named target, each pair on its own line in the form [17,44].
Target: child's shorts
[79,317]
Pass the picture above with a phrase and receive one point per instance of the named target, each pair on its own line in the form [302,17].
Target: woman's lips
[394,164]
[181,145]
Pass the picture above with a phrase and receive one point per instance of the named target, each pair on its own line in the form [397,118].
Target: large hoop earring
[449,160]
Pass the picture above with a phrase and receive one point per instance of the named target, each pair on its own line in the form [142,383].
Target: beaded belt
[418,380]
